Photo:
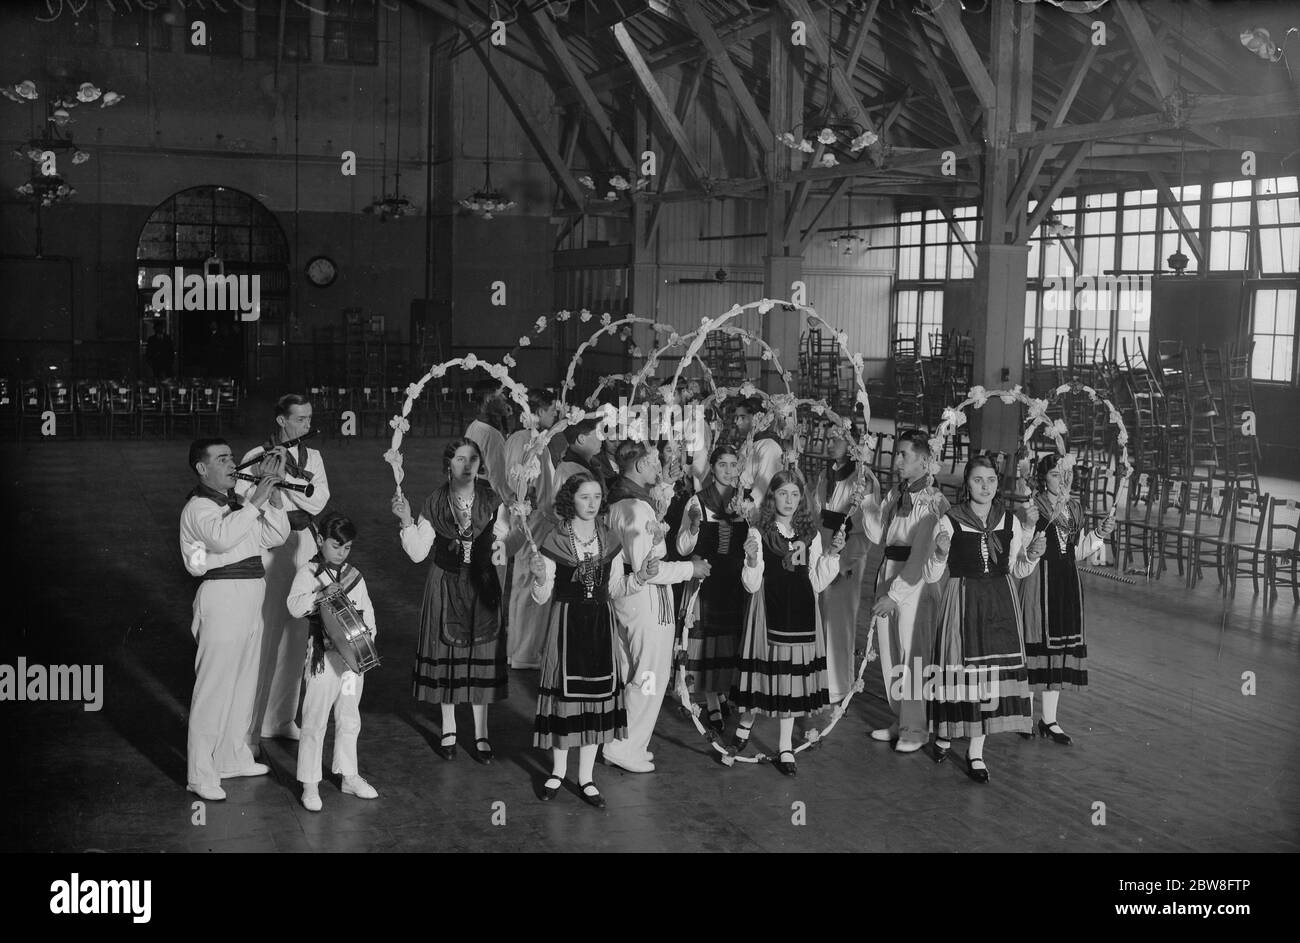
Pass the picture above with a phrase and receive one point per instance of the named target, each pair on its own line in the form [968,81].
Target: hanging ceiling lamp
[392,205]
[47,185]
[486,202]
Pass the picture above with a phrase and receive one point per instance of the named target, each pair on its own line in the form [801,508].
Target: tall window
[1273,331]
[1229,225]
[1279,226]
[297,30]
[919,314]
[929,250]
[352,32]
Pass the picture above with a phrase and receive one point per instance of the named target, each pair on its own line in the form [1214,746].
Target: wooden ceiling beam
[578,81]
[968,57]
[938,81]
[1146,47]
[686,101]
[815,224]
[748,108]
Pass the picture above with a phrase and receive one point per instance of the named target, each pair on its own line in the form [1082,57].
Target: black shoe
[787,769]
[940,753]
[715,722]
[738,743]
[549,792]
[979,775]
[485,754]
[447,750]
[1058,735]
[593,798]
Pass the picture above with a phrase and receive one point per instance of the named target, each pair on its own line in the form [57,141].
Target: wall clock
[322,271]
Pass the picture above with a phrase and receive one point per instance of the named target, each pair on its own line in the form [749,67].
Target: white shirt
[914,529]
[303,598]
[212,535]
[417,540]
[822,569]
[759,468]
[295,500]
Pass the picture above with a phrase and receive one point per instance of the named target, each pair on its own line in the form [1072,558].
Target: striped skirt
[978,682]
[778,680]
[711,664]
[456,674]
[1052,601]
[564,722]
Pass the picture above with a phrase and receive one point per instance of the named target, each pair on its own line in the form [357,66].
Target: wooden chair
[1247,527]
[1171,524]
[59,400]
[178,408]
[88,398]
[121,407]
[207,406]
[1209,543]
[1132,523]
[1282,549]
[149,409]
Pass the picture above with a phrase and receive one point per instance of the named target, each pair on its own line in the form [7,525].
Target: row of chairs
[109,407]
[1234,529]
[437,411]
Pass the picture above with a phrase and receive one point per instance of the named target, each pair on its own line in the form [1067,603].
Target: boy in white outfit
[330,683]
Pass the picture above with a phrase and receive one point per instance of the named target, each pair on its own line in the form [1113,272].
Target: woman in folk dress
[580,693]
[461,657]
[781,668]
[1051,597]
[714,530]
[979,656]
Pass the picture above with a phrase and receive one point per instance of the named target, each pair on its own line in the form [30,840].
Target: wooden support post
[781,267]
[814,226]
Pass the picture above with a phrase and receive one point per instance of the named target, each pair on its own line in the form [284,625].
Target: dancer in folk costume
[584,452]
[903,523]
[761,457]
[580,689]
[461,658]
[1051,597]
[646,617]
[836,497]
[284,639]
[527,623]
[979,653]
[712,529]
[781,669]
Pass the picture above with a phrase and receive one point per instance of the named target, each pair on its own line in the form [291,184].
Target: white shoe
[356,786]
[631,765]
[252,769]
[211,793]
[289,731]
[884,734]
[311,798]
[907,746]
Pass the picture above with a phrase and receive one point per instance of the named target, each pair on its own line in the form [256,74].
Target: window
[1137,248]
[1279,226]
[929,250]
[919,314]
[223,30]
[352,32]
[1273,331]
[1132,316]
[136,27]
[1172,239]
[297,30]
[1229,225]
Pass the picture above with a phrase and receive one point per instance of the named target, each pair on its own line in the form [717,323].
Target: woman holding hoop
[580,693]
[461,658]
[713,530]
[781,670]
[979,655]
[1052,597]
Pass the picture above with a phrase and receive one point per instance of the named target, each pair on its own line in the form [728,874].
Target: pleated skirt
[456,674]
[564,722]
[981,679]
[1055,648]
[778,680]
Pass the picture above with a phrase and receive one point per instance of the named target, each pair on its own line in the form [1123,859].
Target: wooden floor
[1164,736]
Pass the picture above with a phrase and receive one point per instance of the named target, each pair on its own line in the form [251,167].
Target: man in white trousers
[284,639]
[903,522]
[646,619]
[222,540]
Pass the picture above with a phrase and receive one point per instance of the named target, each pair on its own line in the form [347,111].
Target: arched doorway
[206,229]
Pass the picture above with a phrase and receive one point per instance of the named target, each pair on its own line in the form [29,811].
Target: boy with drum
[331,685]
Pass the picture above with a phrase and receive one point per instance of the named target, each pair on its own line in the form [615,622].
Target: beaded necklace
[588,565]
[463,510]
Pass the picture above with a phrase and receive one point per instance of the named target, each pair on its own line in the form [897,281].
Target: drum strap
[347,577]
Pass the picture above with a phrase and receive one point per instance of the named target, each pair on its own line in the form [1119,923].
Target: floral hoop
[812,737]
[610,327]
[1074,387]
[518,392]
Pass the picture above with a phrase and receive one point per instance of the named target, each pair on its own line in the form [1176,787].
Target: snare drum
[346,631]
